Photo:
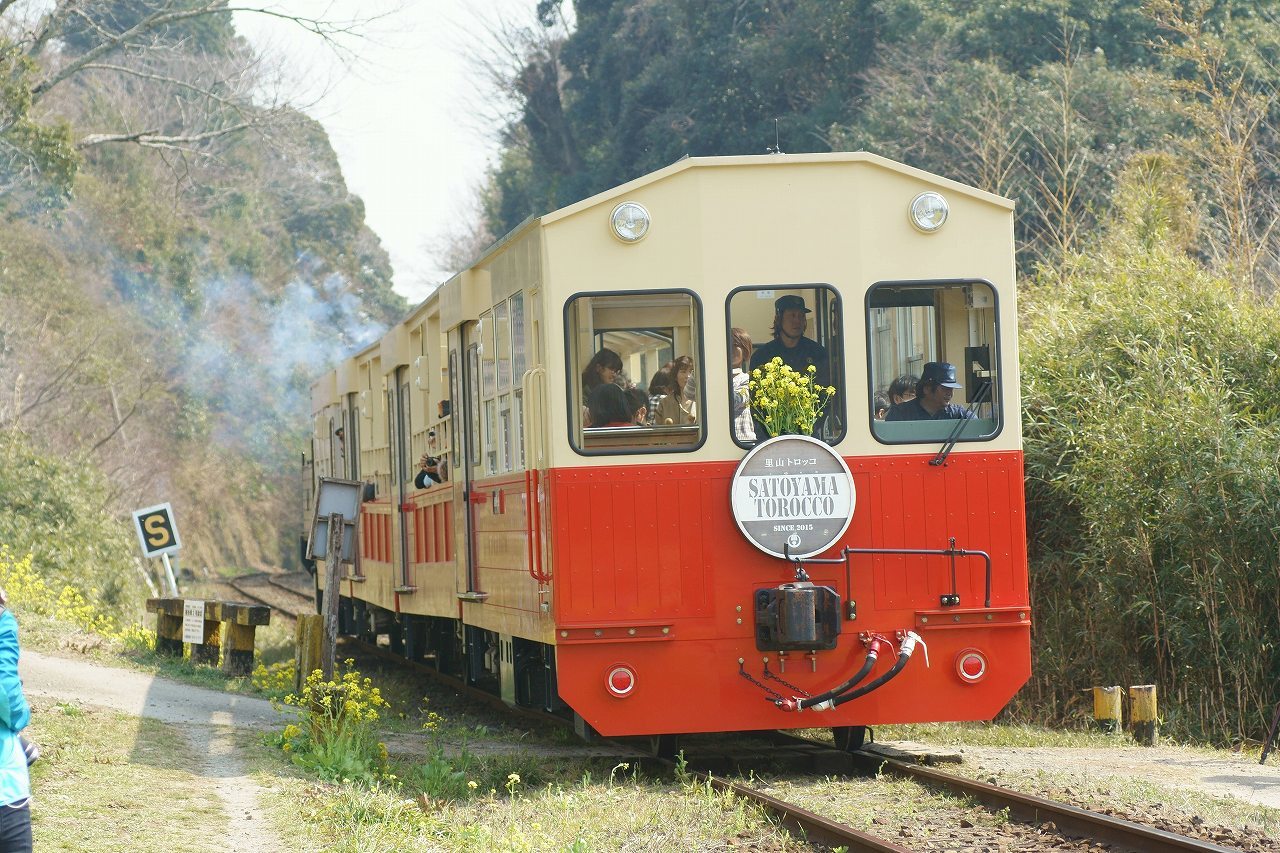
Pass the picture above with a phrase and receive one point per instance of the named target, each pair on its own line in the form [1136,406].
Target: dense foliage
[1042,102]
[62,512]
[1152,471]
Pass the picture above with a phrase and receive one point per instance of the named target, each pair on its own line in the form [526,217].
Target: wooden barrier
[229,628]
[1106,708]
[1142,711]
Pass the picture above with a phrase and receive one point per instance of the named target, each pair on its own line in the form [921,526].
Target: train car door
[464,370]
[401,465]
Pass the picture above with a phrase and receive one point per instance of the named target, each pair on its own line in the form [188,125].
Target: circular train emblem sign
[792,496]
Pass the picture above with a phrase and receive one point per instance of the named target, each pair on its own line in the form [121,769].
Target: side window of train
[934,362]
[635,370]
[803,326]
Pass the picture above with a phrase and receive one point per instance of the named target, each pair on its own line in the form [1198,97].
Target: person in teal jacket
[15,784]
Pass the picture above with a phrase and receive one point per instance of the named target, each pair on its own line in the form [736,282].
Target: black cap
[791,302]
[941,372]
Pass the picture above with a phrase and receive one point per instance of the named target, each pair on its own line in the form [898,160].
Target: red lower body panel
[651,573]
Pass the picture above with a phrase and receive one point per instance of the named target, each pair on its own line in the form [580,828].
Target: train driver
[790,319]
[933,397]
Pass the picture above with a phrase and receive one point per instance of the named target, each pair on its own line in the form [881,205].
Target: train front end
[706,577]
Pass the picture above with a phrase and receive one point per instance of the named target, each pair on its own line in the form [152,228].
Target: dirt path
[209,720]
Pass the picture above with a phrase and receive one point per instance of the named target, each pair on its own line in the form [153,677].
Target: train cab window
[635,368]
[940,339]
[801,324]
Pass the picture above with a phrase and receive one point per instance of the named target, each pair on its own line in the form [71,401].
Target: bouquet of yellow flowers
[787,402]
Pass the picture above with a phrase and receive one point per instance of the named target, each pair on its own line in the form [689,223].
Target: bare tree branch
[152,139]
[327,30]
[202,91]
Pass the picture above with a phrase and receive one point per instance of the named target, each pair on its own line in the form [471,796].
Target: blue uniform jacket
[15,785]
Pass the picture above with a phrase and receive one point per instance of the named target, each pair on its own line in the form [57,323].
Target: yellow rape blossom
[786,401]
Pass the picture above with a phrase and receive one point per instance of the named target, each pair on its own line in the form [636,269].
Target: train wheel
[849,738]
[664,746]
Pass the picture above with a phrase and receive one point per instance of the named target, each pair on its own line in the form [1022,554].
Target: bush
[1151,428]
[54,510]
[335,736]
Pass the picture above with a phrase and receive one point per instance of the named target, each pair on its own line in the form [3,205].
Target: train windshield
[635,372]
[934,363]
[800,325]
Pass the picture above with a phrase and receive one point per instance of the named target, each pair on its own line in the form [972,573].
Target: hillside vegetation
[166,296]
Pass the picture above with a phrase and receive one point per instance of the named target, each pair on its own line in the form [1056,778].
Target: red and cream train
[602,571]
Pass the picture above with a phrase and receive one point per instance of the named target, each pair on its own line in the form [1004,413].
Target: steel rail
[1067,818]
[804,823]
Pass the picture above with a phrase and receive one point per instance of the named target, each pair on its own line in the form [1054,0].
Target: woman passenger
[603,369]
[667,395]
[739,357]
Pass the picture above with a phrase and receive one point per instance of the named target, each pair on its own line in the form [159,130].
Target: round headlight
[630,222]
[928,211]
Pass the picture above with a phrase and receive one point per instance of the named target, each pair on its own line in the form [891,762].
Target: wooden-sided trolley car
[607,569]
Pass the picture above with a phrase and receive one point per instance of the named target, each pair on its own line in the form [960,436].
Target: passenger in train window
[608,407]
[638,403]
[903,389]
[790,320]
[739,357]
[933,397]
[604,367]
[660,386]
[672,408]
[431,471]
[880,405]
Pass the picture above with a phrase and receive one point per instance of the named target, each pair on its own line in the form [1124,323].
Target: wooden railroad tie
[234,641]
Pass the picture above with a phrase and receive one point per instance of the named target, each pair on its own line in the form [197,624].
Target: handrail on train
[947,600]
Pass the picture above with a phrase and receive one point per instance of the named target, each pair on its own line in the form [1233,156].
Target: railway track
[279,592]
[1058,825]
[1068,819]
[1046,818]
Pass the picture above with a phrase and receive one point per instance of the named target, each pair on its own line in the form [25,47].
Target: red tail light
[620,681]
[971,666]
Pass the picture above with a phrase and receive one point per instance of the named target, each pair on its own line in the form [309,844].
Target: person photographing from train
[431,470]
[790,321]
[933,397]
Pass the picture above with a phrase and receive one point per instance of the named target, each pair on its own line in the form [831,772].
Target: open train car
[605,571]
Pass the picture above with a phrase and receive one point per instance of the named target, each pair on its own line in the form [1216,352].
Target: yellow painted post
[168,634]
[308,636]
[208,651]
[1146,722]
[1106,708]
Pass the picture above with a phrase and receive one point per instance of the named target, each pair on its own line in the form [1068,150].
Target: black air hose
[872,654]
[908,646]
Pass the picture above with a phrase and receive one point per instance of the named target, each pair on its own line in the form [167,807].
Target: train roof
[771,161]
[752,160]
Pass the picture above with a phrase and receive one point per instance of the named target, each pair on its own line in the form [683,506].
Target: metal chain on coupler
[774,696]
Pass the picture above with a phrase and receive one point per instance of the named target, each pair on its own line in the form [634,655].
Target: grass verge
[108,781]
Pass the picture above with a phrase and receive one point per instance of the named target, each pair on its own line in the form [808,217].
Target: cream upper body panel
[780,221]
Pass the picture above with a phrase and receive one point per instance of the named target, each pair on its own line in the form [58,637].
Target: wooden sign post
[332,567]
[333,539]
